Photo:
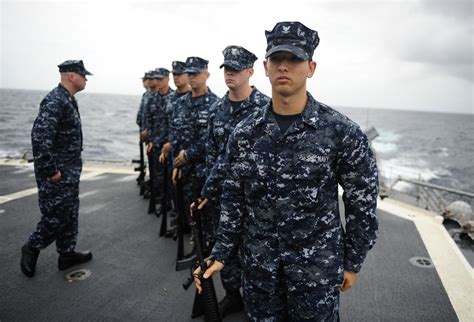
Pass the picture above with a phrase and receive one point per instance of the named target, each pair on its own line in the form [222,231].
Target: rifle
[182,261]
[152,168]
[141,168]
[208,299]
[181,220]
[164,199]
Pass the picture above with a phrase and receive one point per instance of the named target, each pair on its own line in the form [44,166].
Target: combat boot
[29,257]
[74,258]
[231,303]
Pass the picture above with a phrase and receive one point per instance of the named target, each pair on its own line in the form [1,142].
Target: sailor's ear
[312,68]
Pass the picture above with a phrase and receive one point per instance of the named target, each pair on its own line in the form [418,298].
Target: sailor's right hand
[143,136]
[200,204]
[162,157]
[56,177]
[165,151]
[149,147]
[215,266]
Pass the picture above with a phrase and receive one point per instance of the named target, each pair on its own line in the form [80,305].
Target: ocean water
[435,147]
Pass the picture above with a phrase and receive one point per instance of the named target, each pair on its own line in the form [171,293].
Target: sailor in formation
[190,121]
[238,103]
[279,201]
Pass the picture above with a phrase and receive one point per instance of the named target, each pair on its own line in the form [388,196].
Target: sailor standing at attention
[280,197]
[190,129]
[56,139]
[237,104]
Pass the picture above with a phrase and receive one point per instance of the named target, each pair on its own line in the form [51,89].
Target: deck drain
[79,275]
[423,262]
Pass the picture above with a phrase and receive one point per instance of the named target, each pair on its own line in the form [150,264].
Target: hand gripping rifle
[207,300]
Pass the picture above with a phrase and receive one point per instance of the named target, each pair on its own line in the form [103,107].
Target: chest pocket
[311,165]
[255,175]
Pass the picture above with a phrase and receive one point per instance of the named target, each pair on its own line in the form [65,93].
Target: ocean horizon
[436,147]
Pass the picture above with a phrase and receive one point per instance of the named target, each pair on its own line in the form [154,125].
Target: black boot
[70,259]
[29,257]
[231,303]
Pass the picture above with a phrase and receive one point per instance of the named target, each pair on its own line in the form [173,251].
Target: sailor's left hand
[350,279]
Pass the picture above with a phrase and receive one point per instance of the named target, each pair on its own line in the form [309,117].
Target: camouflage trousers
[290,299]
[231,274]
[156,171]
[59,206]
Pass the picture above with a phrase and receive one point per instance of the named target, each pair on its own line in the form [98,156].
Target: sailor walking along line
[58,167]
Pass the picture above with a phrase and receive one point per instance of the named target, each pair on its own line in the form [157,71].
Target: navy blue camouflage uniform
[139,119]
[222,121]
[190,130]
[156,125]
[171,106]
[56,139]
[280,204]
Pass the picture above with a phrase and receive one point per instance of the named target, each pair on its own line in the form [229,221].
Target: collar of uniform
[170,91]
[66,93]
[199,100]
[248,101]
[310,114]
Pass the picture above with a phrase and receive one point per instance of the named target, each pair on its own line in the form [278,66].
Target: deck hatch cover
[423,262]
[78,275]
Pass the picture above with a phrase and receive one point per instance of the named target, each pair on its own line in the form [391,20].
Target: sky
[409,55]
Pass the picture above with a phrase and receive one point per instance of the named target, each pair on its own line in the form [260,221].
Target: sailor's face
[180,79]
[79,81]
[198,80]
[162,82]
[152,83]
[235,79]
[288,73]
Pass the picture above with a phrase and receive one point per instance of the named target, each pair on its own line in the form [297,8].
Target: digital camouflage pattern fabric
[56,140]
[280,199]
[224,118]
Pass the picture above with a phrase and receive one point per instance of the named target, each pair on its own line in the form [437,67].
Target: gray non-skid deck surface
[15,179]
[133,275]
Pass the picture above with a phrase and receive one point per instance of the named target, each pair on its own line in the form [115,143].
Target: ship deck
[133,277]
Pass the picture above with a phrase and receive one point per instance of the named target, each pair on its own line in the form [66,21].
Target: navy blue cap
[147,75]
[238,58]
[161,72]
[293,37]
[178,67]
[195,65]
[73,66]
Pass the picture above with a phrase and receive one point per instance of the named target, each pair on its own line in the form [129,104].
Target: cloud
[440,38]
